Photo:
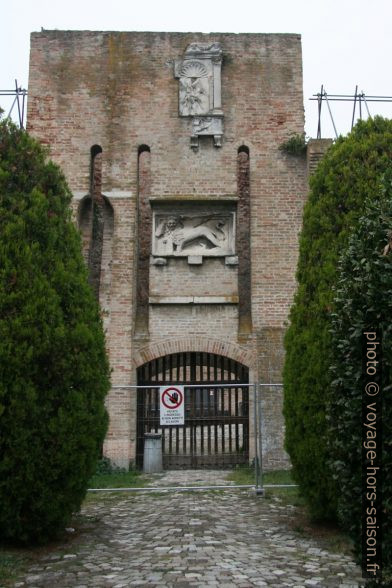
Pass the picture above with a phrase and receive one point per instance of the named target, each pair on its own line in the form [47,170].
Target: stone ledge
[194,198]
[193,300]
[79,195]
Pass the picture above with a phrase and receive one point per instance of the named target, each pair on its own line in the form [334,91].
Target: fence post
[258,433]
[255,427]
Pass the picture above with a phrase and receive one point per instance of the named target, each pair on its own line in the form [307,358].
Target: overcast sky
[344,42]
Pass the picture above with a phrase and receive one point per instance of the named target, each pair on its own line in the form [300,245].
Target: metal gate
[216,430]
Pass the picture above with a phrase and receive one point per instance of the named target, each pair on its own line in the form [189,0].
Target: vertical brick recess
[243,243]
[118,90]
[144,241]
[96,242]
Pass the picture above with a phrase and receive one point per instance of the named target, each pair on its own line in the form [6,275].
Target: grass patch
[278,477]
[131,479]
[295,145]
[108,475]
[12,564]
[285,495]
[242,474]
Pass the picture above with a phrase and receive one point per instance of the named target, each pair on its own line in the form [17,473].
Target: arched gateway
[216,429]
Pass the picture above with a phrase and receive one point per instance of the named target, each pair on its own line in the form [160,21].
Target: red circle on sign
[169,397]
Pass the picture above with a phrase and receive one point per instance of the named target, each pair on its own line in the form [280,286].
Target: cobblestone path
[221,538]
[177,478]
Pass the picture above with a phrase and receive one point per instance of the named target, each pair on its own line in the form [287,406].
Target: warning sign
[171,405]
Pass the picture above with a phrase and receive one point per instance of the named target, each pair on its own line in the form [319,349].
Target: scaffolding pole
[357,98]
[20,95]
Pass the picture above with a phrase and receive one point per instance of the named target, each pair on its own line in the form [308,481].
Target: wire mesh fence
[220,430]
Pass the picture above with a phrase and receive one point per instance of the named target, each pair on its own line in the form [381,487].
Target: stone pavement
[216,538]
[177,478]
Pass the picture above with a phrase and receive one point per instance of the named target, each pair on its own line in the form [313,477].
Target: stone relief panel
[194,98]
[199,75]
[190,233]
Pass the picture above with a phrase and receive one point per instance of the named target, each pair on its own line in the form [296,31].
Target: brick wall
[117,90]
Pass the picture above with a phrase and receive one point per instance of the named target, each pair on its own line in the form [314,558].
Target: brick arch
[86,201]
[201,344]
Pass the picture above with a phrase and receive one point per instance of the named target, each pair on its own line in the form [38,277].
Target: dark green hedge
[362,303]
[54,372]
[347,175]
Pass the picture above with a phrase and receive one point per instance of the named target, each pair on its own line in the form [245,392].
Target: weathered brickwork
[221,320]
[213,278]
[118,91]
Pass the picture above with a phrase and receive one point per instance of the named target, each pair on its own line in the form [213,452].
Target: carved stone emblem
[184,234]
[194,89]
[199,75]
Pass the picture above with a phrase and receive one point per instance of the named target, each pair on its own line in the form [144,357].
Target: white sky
[344,42]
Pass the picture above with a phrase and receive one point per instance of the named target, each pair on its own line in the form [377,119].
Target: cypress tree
[54,372]
[348,174]
[363,303]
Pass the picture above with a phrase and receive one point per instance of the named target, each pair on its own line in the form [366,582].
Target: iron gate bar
[206,385]
[202,413]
